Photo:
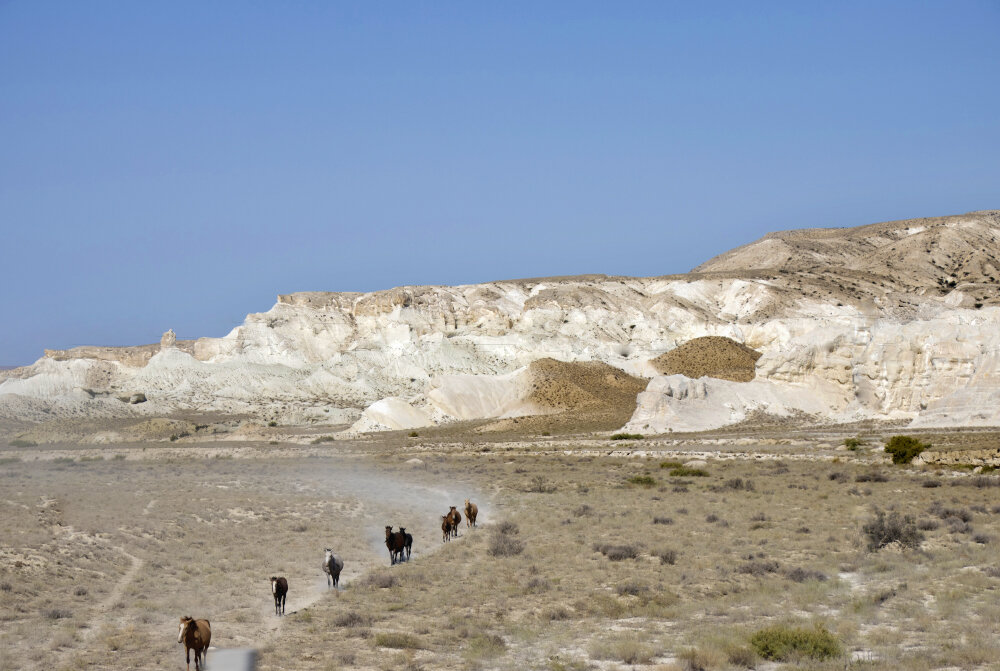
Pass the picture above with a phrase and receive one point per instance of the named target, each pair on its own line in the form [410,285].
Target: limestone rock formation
[890,321]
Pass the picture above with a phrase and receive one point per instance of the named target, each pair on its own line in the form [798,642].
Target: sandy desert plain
[590,553]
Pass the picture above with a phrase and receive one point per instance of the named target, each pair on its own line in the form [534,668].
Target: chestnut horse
[195,635]
[456,520]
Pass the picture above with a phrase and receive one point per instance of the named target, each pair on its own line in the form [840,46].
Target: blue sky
[177,165]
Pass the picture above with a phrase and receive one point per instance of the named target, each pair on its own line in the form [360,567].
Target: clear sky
[179,164]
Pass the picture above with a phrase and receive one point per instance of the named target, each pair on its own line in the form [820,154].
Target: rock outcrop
[889,321]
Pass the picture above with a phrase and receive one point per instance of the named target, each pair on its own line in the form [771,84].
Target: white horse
[332,566]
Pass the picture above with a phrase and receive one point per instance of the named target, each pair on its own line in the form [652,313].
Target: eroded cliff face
[843,342]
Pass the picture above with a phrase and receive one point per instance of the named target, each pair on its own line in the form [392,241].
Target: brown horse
[195,635]
[408,542]
[445,528]
[471,512]
[395,542]
[456,520]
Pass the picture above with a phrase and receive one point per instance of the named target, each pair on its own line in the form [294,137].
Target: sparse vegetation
[399,640]
[22,442]
[853,444]
[627,436]
[642,481]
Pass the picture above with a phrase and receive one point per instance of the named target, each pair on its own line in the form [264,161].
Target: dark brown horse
[445,528]
[195,635]
[408,542]
[395,542]
[471,512]
[279,588]
[456,520]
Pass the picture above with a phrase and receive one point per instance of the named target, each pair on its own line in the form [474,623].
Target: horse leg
[187,658]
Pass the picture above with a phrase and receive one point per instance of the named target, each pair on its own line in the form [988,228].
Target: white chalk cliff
[894,321]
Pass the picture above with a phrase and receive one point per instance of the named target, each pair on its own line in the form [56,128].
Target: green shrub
[685,472]
[642,480]
[904,448]
[781,642]
[853,444]
[272,423]
[21,442]
[670,464]
[627,436]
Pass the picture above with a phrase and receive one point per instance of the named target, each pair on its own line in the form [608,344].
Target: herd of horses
[197,634]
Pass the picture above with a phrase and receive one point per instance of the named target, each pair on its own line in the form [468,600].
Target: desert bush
[21,442]
[759,568]
[992,571]
[583,511]
[631,588]
[685,472]
[556,613]
[351,619]
[413,434]
[711,518]
[801,575]
[79,591]
[58,614]
[627,436]
[670,464]
[995,509]
[930,484]
[486,646]
[957,526]
[628,649]
[667,556]
[398,640]
[663,520]
[539,485]
[781,642]
[741,656]
[323,439]
[928,525]
[379,579]
[738,484]
[904,448]
[892,528]
[984,481]
[642,480]
[961,514]
[853,444]
[272,423]
[617,552]
[982,539]
[872,476]
[504,541]
[839,476]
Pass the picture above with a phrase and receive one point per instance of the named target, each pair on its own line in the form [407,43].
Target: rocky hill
[889,321]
